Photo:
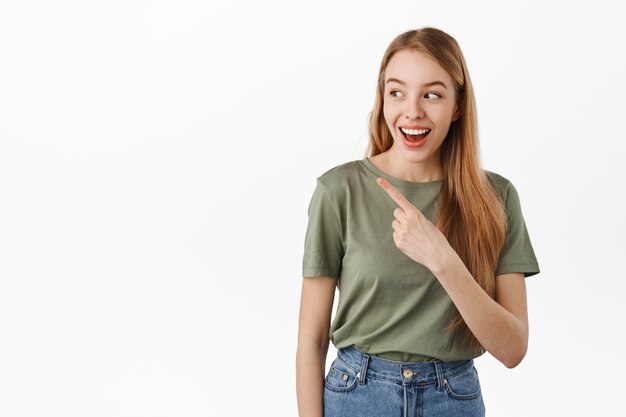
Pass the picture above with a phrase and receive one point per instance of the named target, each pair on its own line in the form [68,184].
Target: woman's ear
[456,114]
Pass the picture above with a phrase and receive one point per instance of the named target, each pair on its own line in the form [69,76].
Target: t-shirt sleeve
[323,243]
[517,254]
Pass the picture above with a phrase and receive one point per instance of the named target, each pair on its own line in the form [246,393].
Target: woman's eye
[433,94]
[394,93]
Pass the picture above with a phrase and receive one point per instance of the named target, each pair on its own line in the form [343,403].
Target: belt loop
[440,379]
[364,362]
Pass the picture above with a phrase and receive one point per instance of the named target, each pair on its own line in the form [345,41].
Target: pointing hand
[414,234]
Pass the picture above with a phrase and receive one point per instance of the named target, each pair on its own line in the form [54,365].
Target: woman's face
[419,105]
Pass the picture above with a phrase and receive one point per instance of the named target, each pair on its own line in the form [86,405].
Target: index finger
[395,195]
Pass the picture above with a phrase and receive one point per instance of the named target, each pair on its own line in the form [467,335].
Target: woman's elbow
[512,362]
[514,358]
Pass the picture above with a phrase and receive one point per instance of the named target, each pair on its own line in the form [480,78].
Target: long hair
[469,211]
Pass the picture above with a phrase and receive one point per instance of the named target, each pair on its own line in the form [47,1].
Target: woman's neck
[396,165]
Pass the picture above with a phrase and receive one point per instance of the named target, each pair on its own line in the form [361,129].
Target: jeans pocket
[464,386]
[341,377]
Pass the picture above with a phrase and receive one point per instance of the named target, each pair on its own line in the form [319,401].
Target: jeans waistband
[408,373]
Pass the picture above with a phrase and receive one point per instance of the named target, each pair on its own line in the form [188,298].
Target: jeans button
[408,373]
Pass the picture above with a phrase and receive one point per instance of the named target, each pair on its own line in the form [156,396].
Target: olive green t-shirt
[389,305]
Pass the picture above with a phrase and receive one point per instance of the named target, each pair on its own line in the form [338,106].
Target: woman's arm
[500,325]
[316,306]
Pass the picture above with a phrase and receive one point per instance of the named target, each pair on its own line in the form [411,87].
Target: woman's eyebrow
[441,83]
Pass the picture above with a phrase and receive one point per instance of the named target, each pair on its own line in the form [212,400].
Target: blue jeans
[361,385]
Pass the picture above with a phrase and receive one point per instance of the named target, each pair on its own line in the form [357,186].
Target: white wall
[157,159]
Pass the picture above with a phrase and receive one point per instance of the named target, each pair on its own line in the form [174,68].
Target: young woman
[428,250]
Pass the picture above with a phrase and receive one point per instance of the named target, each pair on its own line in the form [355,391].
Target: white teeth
[414,131]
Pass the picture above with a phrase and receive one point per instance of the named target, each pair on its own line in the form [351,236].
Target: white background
[156,163]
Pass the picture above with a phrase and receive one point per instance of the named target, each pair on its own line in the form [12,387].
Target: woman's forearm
[500,332]
[310,369]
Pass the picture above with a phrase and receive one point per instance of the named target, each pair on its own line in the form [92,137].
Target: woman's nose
[414,110]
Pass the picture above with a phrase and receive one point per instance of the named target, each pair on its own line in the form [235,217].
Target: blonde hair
[469,211]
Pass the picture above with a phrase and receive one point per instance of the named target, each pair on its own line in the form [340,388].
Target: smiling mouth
[414,135]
